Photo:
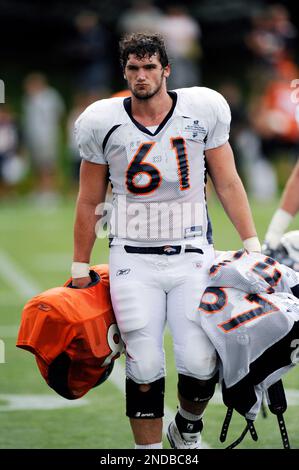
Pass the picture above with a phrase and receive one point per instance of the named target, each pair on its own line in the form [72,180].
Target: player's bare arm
[230,189]
[283,216]
[92,191]
[290,197]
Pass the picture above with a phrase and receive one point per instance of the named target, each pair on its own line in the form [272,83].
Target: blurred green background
[36,236]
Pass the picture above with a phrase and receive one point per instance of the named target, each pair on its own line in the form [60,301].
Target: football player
[156,146]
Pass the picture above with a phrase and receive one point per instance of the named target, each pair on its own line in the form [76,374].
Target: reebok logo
[44,307]
[123,272]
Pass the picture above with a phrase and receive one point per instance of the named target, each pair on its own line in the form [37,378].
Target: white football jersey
[244,320]
[158,178]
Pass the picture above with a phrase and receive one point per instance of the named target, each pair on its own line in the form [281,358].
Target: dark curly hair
[142,44]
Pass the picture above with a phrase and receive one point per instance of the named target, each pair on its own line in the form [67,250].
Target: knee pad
[145,362]
[197,390]
[145,405]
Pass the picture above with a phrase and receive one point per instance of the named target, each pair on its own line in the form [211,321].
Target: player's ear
[167,71]
[124,72]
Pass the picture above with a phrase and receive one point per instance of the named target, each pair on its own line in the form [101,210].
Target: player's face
[145,76]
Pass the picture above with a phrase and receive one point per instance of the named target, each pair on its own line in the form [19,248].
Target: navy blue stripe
[109,134]
[209,229]
[209,233]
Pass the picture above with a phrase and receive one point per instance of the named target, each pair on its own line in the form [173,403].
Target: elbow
[87,202]
[229,187]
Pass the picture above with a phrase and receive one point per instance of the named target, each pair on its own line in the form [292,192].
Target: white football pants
[149,289]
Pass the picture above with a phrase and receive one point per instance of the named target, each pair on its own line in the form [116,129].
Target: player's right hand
[81,282]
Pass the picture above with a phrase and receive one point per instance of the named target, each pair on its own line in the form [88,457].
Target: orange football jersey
[73,334]
[122,93]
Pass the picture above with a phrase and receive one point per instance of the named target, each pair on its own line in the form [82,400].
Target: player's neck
[151,112]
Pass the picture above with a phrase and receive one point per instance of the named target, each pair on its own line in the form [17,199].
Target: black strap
[240,439]
[283,431]
[277,403]
[160,250]
[252,430]
[226,424]
[249,427]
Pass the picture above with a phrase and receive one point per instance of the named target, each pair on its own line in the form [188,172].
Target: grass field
[35,254]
